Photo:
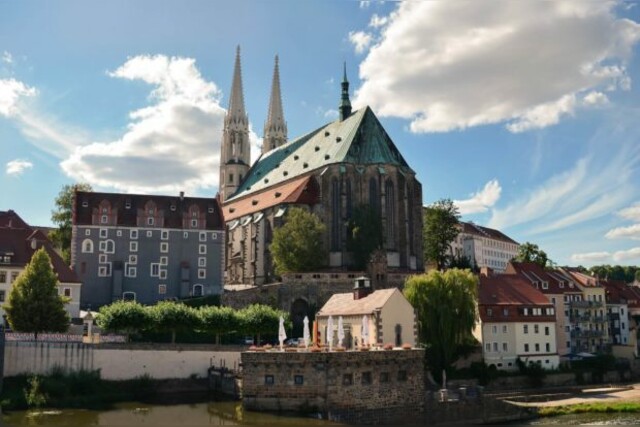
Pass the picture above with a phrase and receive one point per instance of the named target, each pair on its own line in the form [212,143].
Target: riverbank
[86,390]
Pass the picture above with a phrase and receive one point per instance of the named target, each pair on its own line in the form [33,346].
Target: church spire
[236,100]
[275,128]
[345,104]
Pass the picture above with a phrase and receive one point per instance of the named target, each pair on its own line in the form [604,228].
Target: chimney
[361,288]
[181,195]
[486,272]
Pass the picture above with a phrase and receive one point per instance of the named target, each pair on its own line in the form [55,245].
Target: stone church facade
[330,171]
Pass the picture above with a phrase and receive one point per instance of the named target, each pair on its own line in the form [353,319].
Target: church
[329,171]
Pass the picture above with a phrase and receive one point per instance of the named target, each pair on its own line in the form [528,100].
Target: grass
[581,408]
[83,389]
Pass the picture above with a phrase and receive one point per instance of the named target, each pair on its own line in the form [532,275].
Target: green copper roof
[360,140]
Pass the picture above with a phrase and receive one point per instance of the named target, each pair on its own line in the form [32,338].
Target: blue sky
[525,113]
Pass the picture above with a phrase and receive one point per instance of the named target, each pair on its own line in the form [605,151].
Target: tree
[126,317]
[62,215]
[441,221]
[170,316]
[298,245]
[365,235]
[445,304]
[34,304]
[530,252]
[218,320]
[259,319]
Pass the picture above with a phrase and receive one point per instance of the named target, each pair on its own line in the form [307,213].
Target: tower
[275,128]
[345,104]
[235,150]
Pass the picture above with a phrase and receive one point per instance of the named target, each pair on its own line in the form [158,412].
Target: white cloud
[630,232]
[11,91]
[17,167]
[360,40]
[6,58]
[331,114]
[482,200]
[365,4]
[171,145]
[522,63]
[633,253]
[591,257]
[632,212]
[378,21]
[595,99]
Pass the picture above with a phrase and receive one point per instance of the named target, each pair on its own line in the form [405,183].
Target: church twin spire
[275,128]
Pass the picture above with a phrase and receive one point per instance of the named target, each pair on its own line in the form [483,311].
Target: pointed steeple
[275,128]
[345,104]
[236,100]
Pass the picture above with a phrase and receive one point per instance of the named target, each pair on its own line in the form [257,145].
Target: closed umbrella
[365,330]
[330,332]
[340,331]
[306,335]
[282,334]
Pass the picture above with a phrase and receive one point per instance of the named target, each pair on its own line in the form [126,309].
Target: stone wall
[118,361]
[358,386]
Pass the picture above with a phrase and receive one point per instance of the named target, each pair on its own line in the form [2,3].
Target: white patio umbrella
[282,334]
[306,335]
[330,332]
[340,331]
[365,330]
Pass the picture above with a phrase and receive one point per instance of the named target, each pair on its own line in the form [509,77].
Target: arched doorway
[299,309]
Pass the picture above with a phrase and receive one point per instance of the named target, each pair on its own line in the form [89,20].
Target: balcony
[587,334]
[585,304]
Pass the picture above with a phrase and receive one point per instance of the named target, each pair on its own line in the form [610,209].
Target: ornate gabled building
[330,171]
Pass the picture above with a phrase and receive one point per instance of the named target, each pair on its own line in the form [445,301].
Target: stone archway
[299,309]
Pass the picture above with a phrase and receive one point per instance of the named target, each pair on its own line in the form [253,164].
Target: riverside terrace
[372,386]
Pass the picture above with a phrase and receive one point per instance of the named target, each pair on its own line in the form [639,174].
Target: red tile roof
[535,274]
[19,241]
[478,230]
[509,289]
[618,292]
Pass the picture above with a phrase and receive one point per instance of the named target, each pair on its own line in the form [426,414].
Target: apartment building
[516,322]
[484,247]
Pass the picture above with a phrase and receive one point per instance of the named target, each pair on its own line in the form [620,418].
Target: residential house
[391,318]
[18,243]
[517,321]
[483,247]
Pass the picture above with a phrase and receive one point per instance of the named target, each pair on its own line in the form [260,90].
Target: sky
[525,113]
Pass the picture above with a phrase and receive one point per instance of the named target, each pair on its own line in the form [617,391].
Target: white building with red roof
[516,322]
[484,247]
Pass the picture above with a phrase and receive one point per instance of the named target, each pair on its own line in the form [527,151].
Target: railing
[585,304]
[587,334]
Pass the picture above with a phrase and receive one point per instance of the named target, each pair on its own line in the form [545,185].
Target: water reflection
[134,414]
[588,420]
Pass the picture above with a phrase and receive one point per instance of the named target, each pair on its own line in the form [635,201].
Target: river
[232,414]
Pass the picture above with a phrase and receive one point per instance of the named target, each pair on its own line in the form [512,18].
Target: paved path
[592,395]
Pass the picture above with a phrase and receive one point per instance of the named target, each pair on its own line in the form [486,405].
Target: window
[129,296]
[202,273]
[194,223]
[149,233]
[119,233]
[548,347]
[366,378]
[525,329]
[198,290]
[109,246]
[163,274]
[164,260]
[202,249]
[553,300]
[87,246]
[150,220]
[104,219]
[202,262]
[164,247]
[505,311]
[487,347]
[546,330]
[133,246]
[131,271]
[526,311]
[495,347]
[526,348]
[203,237]
[102,258]
[566,328]
[536,329]
[164,235]
[87,232]
[66,292]
[103,233]
[268,380]
[133,234]
[402,376]
[504,329]
[2,295]
[298,379]
[3,277]
[155,270]
[494,329]
[489,312]
[104,270]
[537,347]
[133,259]
[214,236]
[505,347]
[185,235]
[347,379]
[162,289]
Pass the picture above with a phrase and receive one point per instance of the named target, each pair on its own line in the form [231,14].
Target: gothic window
[349,200]
[390,208]
[409,218]
[335,215]
[87,246]
[398,335]
[230,178]
[373,194]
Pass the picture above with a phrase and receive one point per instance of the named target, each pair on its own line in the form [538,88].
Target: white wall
[114,363]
